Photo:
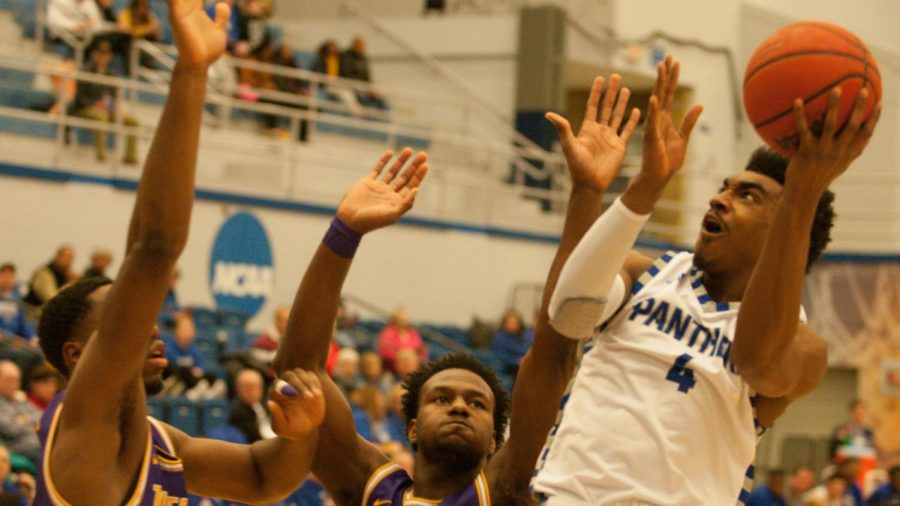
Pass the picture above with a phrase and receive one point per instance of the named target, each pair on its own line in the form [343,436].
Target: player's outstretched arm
[776,354]
[105,401]
[343,461]
[266,471]
[598,273]
[594,158]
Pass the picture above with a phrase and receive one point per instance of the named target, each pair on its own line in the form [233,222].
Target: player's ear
[72,352]
[493,447]
[412,432]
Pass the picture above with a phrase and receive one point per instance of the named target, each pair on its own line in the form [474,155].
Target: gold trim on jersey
[57,498]
[375,479]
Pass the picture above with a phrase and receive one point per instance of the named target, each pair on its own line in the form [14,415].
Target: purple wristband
[341,239]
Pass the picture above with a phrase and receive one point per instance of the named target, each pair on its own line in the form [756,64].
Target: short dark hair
[61,316]
[769,163]
[8,267]
[414,382]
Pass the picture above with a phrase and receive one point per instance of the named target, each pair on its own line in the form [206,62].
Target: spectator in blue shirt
[187,374]
[510,343]
[12,314]
[770,494]
[889,493]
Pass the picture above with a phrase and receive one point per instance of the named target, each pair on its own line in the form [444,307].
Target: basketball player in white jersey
[695,353]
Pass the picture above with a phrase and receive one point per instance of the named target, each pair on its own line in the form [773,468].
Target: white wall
[441,276]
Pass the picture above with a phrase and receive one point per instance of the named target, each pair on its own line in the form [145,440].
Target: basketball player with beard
[99,446]
[455,409]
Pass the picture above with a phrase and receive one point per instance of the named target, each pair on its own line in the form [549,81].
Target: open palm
[376,201]
[664,145]
[200,40]
[595,155]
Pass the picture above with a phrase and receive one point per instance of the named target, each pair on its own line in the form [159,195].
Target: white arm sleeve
[589,289]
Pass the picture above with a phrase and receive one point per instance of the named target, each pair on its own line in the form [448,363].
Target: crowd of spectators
[101,36]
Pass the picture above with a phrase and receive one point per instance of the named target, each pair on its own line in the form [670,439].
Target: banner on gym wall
[241,270]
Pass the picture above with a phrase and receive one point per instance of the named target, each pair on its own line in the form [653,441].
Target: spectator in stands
[139,21]
[68,19]
[830,493]
[849,469]
[372,371]
[98,102]
[259,82]
[43,385]
[265,346]
[248,412]
[253,22]
[510,343]
[100,260]
[394,418]
[408,360]
[186,372]
[349,334]
[855,439]
[18,488]
[398,334]
[284,56]
[370,400]
[346,371]
[355,65]
[47,280]
[13,323]
[18,417]
[771,493]
[328,62]
[802,480]
[889,493]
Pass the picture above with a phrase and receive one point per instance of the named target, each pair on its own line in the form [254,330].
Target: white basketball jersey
[657,413]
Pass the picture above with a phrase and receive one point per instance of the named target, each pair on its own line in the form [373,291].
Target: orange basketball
[806,60]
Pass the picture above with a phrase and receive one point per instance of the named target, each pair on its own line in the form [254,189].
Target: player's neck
[435,481]
[726,286]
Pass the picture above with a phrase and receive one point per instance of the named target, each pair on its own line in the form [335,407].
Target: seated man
[98,102]
[248,413]
[18,417]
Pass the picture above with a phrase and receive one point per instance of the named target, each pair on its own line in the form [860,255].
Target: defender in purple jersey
[455,409]
[100,449]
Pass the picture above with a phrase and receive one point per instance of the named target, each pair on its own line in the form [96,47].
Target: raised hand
[296,416]
[664,145]
[377,201]
[819,161]
[595,155]
[200,40]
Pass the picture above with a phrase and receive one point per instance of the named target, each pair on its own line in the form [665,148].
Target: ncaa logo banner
[241,271]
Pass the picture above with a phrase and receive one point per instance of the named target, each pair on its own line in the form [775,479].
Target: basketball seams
[806,100]
[852,39]
[812,52]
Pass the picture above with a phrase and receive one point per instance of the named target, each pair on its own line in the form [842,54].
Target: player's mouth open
[157,355]
[711,225]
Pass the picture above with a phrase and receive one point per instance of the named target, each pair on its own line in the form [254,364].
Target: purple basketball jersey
[389,485]
[161,479]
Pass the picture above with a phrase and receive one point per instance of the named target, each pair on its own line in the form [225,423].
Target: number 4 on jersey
[682,375]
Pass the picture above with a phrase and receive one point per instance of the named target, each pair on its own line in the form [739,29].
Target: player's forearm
[585,205]
[282,466]
[769,314]
[642,193]
[311,324]
[166,193]
[590,272]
